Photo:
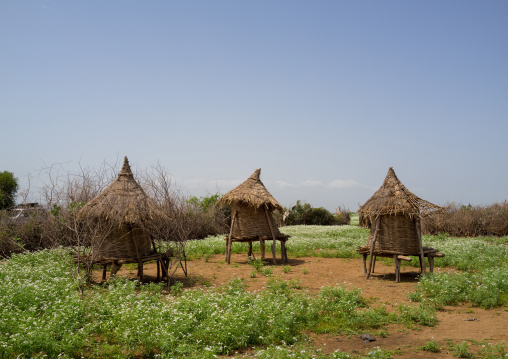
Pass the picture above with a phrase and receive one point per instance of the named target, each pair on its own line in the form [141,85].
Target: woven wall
[251,222]
[119,243]
[396,233]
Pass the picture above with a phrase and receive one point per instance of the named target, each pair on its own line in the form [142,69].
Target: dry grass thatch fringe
[394,198]
[124,201]
[253,193]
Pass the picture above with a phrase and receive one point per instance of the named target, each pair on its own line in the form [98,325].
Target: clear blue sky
[324,96]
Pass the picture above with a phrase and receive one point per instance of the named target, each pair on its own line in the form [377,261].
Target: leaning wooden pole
[140,263]
[230,238]
[420,245]
[373,245]
[273,235]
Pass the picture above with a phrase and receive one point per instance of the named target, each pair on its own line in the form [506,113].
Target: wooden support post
[249,254]
[158,269]
[140,264]
[364,259]
[228,243]
[373,245]
[273,235]
[140,271]
[263,249]
[397,268]
[419,233]
[104,270]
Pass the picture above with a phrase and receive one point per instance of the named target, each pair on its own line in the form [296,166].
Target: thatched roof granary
[394,213]
[126,207]
[394,198]
[251,209]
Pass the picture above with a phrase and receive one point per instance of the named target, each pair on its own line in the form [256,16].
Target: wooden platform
[428,252]
[162,259]
[282,238]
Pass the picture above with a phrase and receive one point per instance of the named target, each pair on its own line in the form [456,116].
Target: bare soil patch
[458,323]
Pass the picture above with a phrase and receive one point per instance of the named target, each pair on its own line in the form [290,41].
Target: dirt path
[457,323]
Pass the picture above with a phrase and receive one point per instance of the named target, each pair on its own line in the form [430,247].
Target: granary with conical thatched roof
[393,214]
[130,212]
[251,216]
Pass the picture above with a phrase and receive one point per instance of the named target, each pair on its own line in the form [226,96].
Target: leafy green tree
[8,189]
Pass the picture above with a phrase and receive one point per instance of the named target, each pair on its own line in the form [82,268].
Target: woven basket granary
[129,211]
[397,210]
[251,222]
[396,233]
[251,216]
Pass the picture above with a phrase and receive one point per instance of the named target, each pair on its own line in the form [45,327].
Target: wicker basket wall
[251,222]
[119,244]
[396,233]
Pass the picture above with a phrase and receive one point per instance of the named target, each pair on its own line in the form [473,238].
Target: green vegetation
[45,312]
[304,213]
[8,189]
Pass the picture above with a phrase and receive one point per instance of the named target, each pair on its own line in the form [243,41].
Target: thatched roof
[394,198]
[253,193]
[123,201]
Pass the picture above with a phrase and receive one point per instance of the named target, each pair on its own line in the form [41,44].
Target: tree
[8,189]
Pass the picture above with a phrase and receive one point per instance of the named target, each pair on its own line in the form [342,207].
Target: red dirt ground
[455,323]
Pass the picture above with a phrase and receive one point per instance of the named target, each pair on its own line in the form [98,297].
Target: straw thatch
[253,193]
[393,214]
[394,198]
[126,206]
[251,207]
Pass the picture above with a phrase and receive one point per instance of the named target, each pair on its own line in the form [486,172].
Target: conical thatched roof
[253,193]
[394,198]
[123,201]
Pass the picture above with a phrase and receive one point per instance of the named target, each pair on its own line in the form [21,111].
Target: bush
[459,220]
[304,213]
[208,216]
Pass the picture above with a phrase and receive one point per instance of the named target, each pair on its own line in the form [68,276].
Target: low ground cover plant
[44,313]
[45,309]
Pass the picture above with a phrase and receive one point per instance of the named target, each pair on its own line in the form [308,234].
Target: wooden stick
[273,235]
[373,245]
[397,268]
[419,232]
[364,260]
[228,244]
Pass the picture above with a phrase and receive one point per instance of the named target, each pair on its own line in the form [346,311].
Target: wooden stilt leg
[158,269]
[273,252]
[268,219]
[140,271]
[262,245]
[104,270]
[364,260]
[230,239]
[249,254]
[374,264]
[431,264]
[419,233]
[228,251]
[397,268]
[373,246]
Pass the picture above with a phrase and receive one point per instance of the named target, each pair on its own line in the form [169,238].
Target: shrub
[459,220]
[304,213]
